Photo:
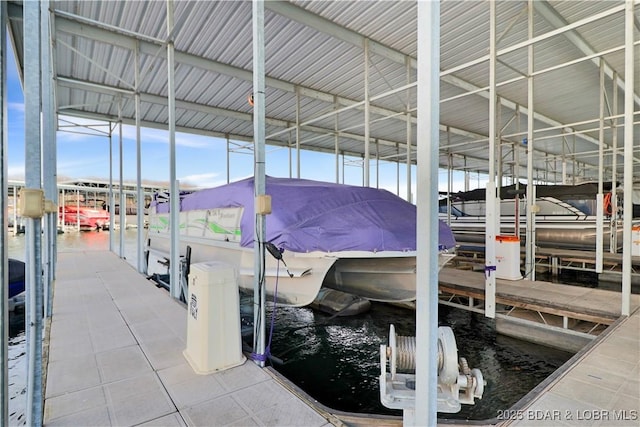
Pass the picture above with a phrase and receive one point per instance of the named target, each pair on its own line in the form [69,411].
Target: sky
[200,161]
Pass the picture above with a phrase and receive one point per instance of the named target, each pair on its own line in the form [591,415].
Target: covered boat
[358,240]
[566,216]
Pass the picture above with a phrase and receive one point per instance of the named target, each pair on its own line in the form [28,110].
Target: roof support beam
[321,24]
[215,111]
[66,24]
[555,19]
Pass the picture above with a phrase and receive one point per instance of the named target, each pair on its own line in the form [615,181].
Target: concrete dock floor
[115,358]
[600,388]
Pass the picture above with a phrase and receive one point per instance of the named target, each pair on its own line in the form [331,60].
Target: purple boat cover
[319,216]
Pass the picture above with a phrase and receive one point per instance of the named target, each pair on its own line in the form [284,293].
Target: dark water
[336,360]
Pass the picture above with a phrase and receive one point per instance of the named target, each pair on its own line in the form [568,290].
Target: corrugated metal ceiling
[316,48]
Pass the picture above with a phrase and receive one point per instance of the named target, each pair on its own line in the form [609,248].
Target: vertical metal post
[613,246]
[112,201]
[600,195]
[367,109]
[259,312]
[15,207]
[531,189]
[397,169]
[628,155]
[228,161]
[139,193]
[449,183]
[33,226]
[49,154]
[298,135]
[490,235]
[336,139]
[174,216]
[377,163]
[4,223]
[123,207]
[427,217]
[290,156]
[408,132]
[467,176]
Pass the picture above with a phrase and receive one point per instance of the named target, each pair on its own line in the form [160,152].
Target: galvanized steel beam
[259,181]
[629,69]
[174,215]
[428,135]
[33,226]
[4,223]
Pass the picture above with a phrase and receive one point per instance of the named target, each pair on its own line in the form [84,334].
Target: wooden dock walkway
[115,358]
[562,316]
[582,303]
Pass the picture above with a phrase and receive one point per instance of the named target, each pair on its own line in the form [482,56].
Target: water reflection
[336,360]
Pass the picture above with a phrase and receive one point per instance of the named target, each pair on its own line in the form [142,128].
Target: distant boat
[87,218]
[566,216]
[358,240]
[16,277]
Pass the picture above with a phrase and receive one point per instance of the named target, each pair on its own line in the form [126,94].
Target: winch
[457,384]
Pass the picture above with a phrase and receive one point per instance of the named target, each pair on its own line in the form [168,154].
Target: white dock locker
[508,257]
[213,318]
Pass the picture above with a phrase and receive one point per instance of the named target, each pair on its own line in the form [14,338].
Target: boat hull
[297,291]
[86,219]
[566,234]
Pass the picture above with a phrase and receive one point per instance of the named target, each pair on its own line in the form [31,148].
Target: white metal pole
[123,207]
[628,155]
[613,247]
[259,312]
[336,141]
[174,273]
[408,122]
[490,218]
[4,223]
[139,193]
[367,108]
[298,133]
[531,189]
[427,216]
[600,195]
[112,201]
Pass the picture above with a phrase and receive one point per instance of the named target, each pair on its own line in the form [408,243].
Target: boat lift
[457,384]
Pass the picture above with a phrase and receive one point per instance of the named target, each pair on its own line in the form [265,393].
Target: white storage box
[508,257]
[213,318]
[635,240]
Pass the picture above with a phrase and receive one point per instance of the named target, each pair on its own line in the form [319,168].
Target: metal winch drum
[457,384]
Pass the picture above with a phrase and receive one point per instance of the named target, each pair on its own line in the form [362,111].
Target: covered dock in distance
[539,91]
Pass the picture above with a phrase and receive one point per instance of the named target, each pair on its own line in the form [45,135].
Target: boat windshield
[454,211]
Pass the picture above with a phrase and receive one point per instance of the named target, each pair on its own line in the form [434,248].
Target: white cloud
[203,180]
[16,106]
[16,172]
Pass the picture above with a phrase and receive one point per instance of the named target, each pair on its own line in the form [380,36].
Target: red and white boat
[84,217]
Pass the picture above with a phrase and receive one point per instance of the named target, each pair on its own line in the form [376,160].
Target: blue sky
[200,161]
